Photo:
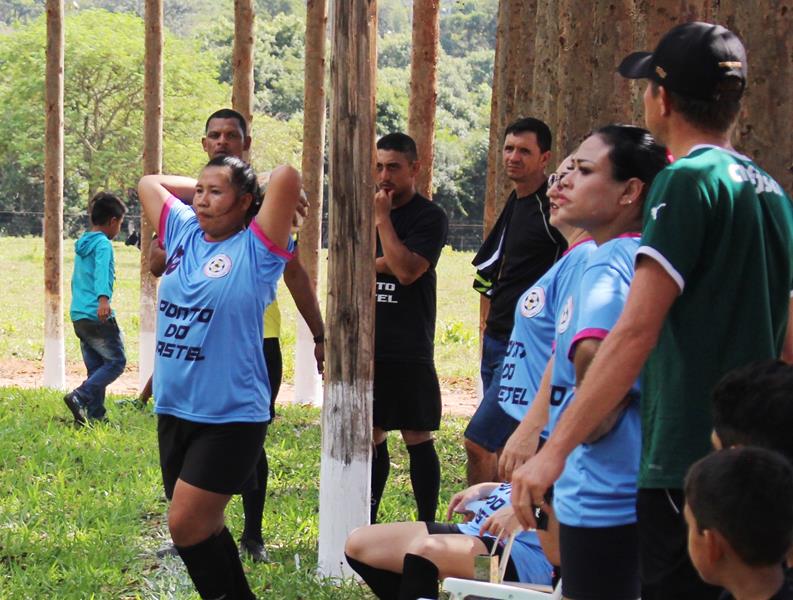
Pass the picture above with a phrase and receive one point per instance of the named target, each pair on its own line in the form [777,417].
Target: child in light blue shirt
[93,319]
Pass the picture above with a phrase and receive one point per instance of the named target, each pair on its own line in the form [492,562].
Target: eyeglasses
[556,178]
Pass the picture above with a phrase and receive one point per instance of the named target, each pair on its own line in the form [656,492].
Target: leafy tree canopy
[103,104]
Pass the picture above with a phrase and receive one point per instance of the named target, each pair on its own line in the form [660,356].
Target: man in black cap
[712,292]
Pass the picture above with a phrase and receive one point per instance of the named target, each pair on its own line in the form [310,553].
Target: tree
[278,61]
[103,112]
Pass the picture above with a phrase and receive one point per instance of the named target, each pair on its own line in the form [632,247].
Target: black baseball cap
[691,60]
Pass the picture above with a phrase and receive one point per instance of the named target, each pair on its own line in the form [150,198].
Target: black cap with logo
[691,60]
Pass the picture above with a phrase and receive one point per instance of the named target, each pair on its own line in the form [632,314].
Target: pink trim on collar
[578,243]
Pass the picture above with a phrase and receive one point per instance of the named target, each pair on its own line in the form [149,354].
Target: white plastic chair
[459,589]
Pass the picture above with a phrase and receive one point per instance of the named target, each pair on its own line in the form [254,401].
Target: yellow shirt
[272,320]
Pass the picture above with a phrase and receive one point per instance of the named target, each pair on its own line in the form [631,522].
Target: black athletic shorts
[275,369]
[217,458]
[511,574]
[666,569]
[406,396]
[600,563]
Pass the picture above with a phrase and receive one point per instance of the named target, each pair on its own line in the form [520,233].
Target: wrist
[319,339]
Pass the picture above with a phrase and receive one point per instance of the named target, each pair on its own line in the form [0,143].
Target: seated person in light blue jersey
[210,381]
[405,560]
[594,499]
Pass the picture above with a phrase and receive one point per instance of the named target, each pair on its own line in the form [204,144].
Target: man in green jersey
[712,292]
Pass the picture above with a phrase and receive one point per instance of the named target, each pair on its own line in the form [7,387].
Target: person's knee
[476,452]
[181,525]
[379,435]
[189,526]
[118,365]
[412,438]
[355,546]
[425,546]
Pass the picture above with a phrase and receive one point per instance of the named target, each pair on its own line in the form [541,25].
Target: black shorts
[666,569]
[275,369]
[511,574]
[217,458]
[600,563]
[406,396]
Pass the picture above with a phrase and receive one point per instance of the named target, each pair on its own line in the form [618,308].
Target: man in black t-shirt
[411,232]
[519,250]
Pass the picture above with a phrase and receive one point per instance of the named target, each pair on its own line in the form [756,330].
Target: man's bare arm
[299,285]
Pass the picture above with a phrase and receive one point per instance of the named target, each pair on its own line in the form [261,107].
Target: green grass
[82,512]
[22,307]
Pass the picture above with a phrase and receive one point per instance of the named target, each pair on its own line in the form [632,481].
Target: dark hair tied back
[634,153]
[243,179]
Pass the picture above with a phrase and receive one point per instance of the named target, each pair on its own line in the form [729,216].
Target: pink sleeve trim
[586,334]
[269,244]
[166,209]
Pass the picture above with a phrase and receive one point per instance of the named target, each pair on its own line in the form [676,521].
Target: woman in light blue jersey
[210,382]
[595,498]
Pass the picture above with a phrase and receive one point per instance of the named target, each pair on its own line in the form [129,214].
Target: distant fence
[462,236]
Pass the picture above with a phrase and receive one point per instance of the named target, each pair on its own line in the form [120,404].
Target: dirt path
[459,395]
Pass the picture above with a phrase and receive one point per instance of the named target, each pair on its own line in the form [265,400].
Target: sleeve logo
[218,266]
[566,316]
[532,302]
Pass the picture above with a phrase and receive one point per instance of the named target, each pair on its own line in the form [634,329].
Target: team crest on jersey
[566,317]
[533,302]
[218,266]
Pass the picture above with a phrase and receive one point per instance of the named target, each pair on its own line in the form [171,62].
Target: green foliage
[278,61]
[103,104]
[469,24]
[393,16]
[104,74]
[393,51]
[393,97]
[276,142]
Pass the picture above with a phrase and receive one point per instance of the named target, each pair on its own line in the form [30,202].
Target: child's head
[739,509]
[107,212]
[753,406]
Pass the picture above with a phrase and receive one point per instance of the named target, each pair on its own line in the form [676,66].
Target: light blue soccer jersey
[209,367]
[598,485]
[533,333]
[527,554]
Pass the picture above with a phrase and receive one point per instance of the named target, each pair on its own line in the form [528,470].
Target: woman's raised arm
[279,205]
[154,190]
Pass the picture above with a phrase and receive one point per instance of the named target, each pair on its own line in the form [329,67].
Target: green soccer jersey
[723,230]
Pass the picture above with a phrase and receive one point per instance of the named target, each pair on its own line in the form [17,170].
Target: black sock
[253,502]
[425,476]
[381,465]
[384,584]
[208,565]
[242,590]
[419,578]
